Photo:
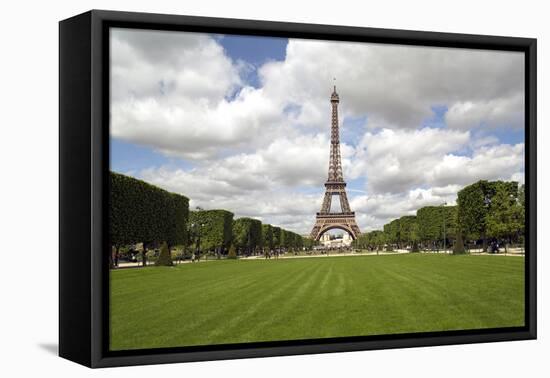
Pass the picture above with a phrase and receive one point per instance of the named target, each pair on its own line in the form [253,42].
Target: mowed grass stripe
[189,284]
[261,300]
[260,305]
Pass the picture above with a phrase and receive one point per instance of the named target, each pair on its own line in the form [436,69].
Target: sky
[243,123]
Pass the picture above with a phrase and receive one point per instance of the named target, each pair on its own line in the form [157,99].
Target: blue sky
[254,51]
[130,157]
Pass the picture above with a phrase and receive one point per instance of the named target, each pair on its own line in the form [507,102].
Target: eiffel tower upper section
[335,174]
[335,184]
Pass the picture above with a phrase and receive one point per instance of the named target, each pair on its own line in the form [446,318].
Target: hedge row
[142,213]
[436,223]
[291,240]
[373,240]
[267,236]
[216,229]
[247,234]
[251,235]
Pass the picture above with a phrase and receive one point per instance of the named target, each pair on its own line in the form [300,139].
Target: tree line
[143,213]
[486,211]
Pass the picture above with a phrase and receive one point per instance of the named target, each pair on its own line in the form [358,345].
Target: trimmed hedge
[291,240]
[217,232]
[177,214]
[247,233]
[277,237]
[373,240]
[475,205]
[408,231]
[309,243]
[140,212]
[267,237]
[506,217]
[393,234]
[435,222]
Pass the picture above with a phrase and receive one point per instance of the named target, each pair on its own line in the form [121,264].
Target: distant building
[336,241]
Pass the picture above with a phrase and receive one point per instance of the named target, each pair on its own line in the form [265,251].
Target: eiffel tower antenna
[335,185]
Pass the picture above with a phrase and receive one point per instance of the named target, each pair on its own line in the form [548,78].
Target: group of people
[271,253]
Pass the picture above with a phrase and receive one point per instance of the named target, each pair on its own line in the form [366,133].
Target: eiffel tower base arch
[325,222]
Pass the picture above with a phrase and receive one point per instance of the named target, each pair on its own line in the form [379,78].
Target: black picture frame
[84,167]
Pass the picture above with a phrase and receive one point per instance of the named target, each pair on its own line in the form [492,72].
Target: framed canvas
[200,159]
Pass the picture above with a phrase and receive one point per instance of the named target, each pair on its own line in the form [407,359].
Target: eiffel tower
[335,185]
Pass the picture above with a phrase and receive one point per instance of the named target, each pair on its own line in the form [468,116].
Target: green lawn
[259,300]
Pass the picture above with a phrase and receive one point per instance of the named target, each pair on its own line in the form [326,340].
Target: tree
[309,243]
[165,258]
[506,217]
[475,203]
[408,231]
[521,196]
[360,242]
[143,213]
[428,225]
[276,237]
[232,254]
[450,225]
[368,240]
[298,241]
[267,236]
[373,240]
[379,239]
[414,237]
[176,213]
[458,247]
[286,239]
[521,200]
[392,232]
[216,230]
[247,234]
[436,224]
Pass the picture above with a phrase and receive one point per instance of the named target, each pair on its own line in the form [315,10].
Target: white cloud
[508,111]
[376,210]
[396,161]
[400,160]
[271,204]
[263,152]
[175,91]
[398,85]
[301,161]
[489,163]
[169,65]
